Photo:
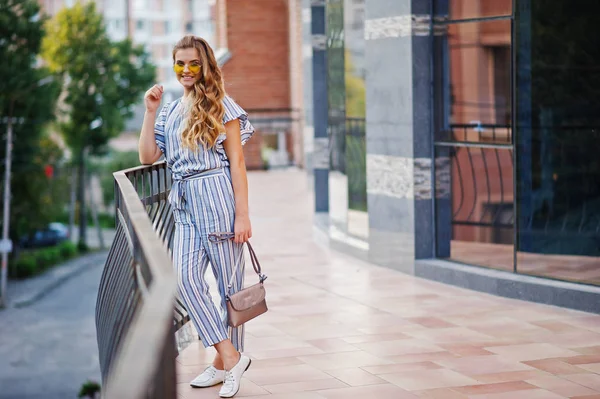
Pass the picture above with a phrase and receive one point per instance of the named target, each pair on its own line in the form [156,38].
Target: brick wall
[258,74]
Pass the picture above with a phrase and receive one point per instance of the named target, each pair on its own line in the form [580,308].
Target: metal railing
[135,319]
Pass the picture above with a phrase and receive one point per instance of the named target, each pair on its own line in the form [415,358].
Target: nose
[185,68]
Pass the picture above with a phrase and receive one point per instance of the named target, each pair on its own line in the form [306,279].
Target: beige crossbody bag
[250,302]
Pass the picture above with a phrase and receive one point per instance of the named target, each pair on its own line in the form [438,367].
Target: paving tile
[587,380]
[592,367]
[356,377]
[275,354]
[589,350]
[398,368]
[531,351]
[477,365]
[561,386]
[509,376]
[304,386]
[584,359]
[359,339]
[500,387]
[343,360]
[428,379]
[276,362]
[282,375]
[555,366]
[423,357]
[372,391]
[527,394]
[431,322]
[294,395]
[465,349]
[400,347]
[440,393]
[342,328]
[333,345]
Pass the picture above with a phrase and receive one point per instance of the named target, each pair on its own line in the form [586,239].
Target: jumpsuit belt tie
[180,186]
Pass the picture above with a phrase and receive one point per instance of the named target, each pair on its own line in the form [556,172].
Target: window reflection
[464,9]
[558,80]
[355,126]
[474,157]
[479,87]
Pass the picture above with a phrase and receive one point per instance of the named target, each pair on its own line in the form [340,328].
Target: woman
[201,136]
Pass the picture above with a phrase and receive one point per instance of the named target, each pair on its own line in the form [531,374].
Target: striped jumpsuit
[203,202]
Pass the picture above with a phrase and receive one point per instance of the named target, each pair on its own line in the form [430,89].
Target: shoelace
[229,380]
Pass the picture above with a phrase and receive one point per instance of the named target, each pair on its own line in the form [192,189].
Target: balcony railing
[135,318]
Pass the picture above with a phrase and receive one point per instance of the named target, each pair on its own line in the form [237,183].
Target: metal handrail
[135,309]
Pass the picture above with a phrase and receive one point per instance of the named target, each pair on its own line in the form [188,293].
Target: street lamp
[6,243]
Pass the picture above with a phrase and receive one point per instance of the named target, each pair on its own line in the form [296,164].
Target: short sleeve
[159,127]
[234,111]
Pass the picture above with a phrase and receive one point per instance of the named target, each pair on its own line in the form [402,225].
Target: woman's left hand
[242,229]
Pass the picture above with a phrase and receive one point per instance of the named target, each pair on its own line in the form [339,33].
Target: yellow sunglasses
[179,68]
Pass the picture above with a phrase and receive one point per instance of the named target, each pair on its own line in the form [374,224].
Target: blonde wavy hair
[205,110]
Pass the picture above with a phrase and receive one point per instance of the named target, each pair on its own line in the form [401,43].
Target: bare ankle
[218,363]
[231,360]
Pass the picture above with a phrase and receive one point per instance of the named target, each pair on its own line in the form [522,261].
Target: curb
[88,262]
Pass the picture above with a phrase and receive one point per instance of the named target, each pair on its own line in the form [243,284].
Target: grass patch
[33,262]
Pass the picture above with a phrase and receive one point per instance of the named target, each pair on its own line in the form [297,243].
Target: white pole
[6,210]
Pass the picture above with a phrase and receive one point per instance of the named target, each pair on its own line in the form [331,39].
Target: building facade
[258,43]
[455,140]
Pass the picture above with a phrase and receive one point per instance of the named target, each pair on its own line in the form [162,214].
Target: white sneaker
[233,378]
[209,377]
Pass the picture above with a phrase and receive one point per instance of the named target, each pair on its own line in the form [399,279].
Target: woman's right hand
[152,98]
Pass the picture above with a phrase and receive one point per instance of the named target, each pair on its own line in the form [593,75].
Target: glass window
[476,58]
[473,132]
[346,122]
[558,168]
[466,9]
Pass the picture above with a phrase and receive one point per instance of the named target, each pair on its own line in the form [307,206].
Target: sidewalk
[340,328]
[27,291]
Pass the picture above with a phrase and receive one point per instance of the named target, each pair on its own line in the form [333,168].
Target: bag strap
[223,236]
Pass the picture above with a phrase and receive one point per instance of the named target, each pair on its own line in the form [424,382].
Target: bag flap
[248,297]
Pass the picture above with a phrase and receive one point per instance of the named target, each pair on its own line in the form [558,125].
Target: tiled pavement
[340,328]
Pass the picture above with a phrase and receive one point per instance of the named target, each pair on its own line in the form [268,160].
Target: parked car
[52,235]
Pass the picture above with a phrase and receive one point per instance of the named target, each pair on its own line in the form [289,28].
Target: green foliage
[102,79]
[116,160]
[30,263]
[67,250]
[89,390]
[29,94]
[119,161]
[355,91]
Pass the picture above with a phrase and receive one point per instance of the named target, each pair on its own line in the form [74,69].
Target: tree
[102,80]
[22,97]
